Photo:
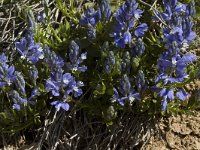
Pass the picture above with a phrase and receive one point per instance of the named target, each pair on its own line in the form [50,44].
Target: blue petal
[65,106]
[67,78]
[60,104]
[35,92]
[139,31]
[164,104]
[55,92]
[163,92]
[182,95]
[116,94]
[82,68]
[78,93]
[189,58]
[16,106]
[170,94]
[180,8]
[127,37]
[22,45]
[173,3]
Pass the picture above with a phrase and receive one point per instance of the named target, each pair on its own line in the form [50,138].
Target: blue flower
[121,39]
[74,88]
[173,35]
[109,62]
[3,58]
[140,81]
[91,17]
[125,17]
[34,93]
[126,62]
[52,60]
[128,11]
[171,8]
[91,32]
[166,79]
[176,64]
[17,99]
[116,96]
[73,51]
[75,61]
[33,52]
[67,78]
[105,9]
[53,86]
[33,74]
[22,47]
[126,91]
[188,34]
[190,9]
[138,47]
[127,38]
[60,104]
[20,82]
[132,96]
[139,31]
[75,65]
[180,8]
[58,82]
[7,75]
[16,107]
[166,94]
[7,72]
[182,95]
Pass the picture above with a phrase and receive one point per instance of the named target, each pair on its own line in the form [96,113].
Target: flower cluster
[126,19]
[75,61]
[7,76]
[27,47]
[177,36]
[14,81]
[61,82]
[91,17]
[126,92]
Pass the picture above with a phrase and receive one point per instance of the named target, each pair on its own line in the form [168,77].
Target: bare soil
[179,132]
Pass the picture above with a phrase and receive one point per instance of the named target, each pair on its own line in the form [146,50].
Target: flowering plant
[98,58]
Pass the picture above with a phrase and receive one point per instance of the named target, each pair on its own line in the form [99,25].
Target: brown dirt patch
[181,132]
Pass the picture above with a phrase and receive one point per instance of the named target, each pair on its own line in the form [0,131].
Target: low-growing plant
[99,58]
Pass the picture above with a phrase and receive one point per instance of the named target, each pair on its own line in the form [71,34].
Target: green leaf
[88,5]
[197,11]
[185,1]
[99,27]
[2,115]
[41,88]
[100,89]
